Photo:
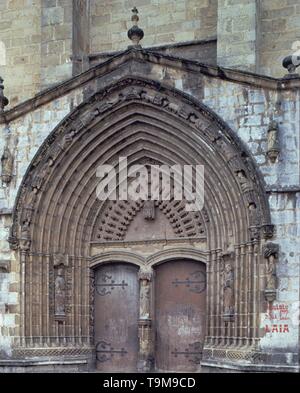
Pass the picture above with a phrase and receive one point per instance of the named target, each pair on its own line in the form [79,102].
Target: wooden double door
[177,300]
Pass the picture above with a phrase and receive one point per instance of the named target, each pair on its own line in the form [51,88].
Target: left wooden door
[116,317]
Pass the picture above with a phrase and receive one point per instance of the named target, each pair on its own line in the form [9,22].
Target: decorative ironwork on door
[105,352]
[180,301]
[193,353]
[105,284]
[196,282]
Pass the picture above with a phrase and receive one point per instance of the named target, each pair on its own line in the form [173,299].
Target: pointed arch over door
[57,213]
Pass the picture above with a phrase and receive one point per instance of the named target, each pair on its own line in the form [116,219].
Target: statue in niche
[31,198]
[271,254]
[25,240]
[68,139]
[60,292]
[273,141]
[252,214]
[228,291]
[243,181]
[227,149]
[145,300]
[7,163]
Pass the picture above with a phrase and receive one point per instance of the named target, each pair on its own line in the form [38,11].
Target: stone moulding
[152,57]
[230,146]
[247,359]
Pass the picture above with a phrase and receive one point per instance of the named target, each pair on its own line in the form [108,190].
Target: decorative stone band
[21,353]
[245,358]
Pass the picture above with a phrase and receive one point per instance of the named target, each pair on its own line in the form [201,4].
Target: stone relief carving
[61,286]
[3,100]
[273,141]
[245,183]
[25,240]
[228,292]
[226,148]
[60,293]
[116,217]
[145,326]
[144,300]
[270,252]
[7,164]
[268,230]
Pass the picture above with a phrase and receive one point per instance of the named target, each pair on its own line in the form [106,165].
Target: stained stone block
[52,16]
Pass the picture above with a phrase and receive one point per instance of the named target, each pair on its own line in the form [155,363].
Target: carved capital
[267,230]
[145,273]
[60,259]
[271,249]
[13,243]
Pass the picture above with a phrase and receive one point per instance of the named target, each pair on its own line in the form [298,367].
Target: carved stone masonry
[7,163]
[228,287]
[60,287]
[270,252]
[60,293]
[135,34]
[273,141]
[3,100]
[145,325]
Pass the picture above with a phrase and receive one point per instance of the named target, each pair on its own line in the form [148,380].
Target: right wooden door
[180,309]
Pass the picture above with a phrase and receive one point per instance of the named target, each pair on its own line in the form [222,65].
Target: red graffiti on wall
[277,328]
[278,312]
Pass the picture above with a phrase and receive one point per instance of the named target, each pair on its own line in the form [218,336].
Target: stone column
[145,358]
[81,36]
[238,34]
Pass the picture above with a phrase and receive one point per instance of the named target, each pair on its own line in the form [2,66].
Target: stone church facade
[139,285]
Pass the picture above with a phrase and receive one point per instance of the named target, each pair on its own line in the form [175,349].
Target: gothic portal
[141,285]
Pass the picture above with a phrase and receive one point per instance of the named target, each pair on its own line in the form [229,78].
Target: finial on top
[135,34]
[291,63]
[3,100]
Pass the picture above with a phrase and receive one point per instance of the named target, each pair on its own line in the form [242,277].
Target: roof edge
[228,74]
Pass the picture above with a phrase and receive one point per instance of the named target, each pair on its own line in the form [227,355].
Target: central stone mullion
[145,357]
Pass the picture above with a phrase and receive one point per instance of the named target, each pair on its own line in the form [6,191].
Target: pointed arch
[139,118]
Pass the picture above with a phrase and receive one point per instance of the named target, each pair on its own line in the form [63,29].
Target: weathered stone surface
[247,104]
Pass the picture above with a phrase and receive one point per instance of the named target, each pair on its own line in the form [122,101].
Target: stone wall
[238,34]
[163,21]
[20,31]
[280,28]
[56,22]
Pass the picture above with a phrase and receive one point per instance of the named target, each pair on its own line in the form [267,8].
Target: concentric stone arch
[56,206]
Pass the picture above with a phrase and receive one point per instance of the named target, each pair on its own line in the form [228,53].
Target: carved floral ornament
[150,93]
